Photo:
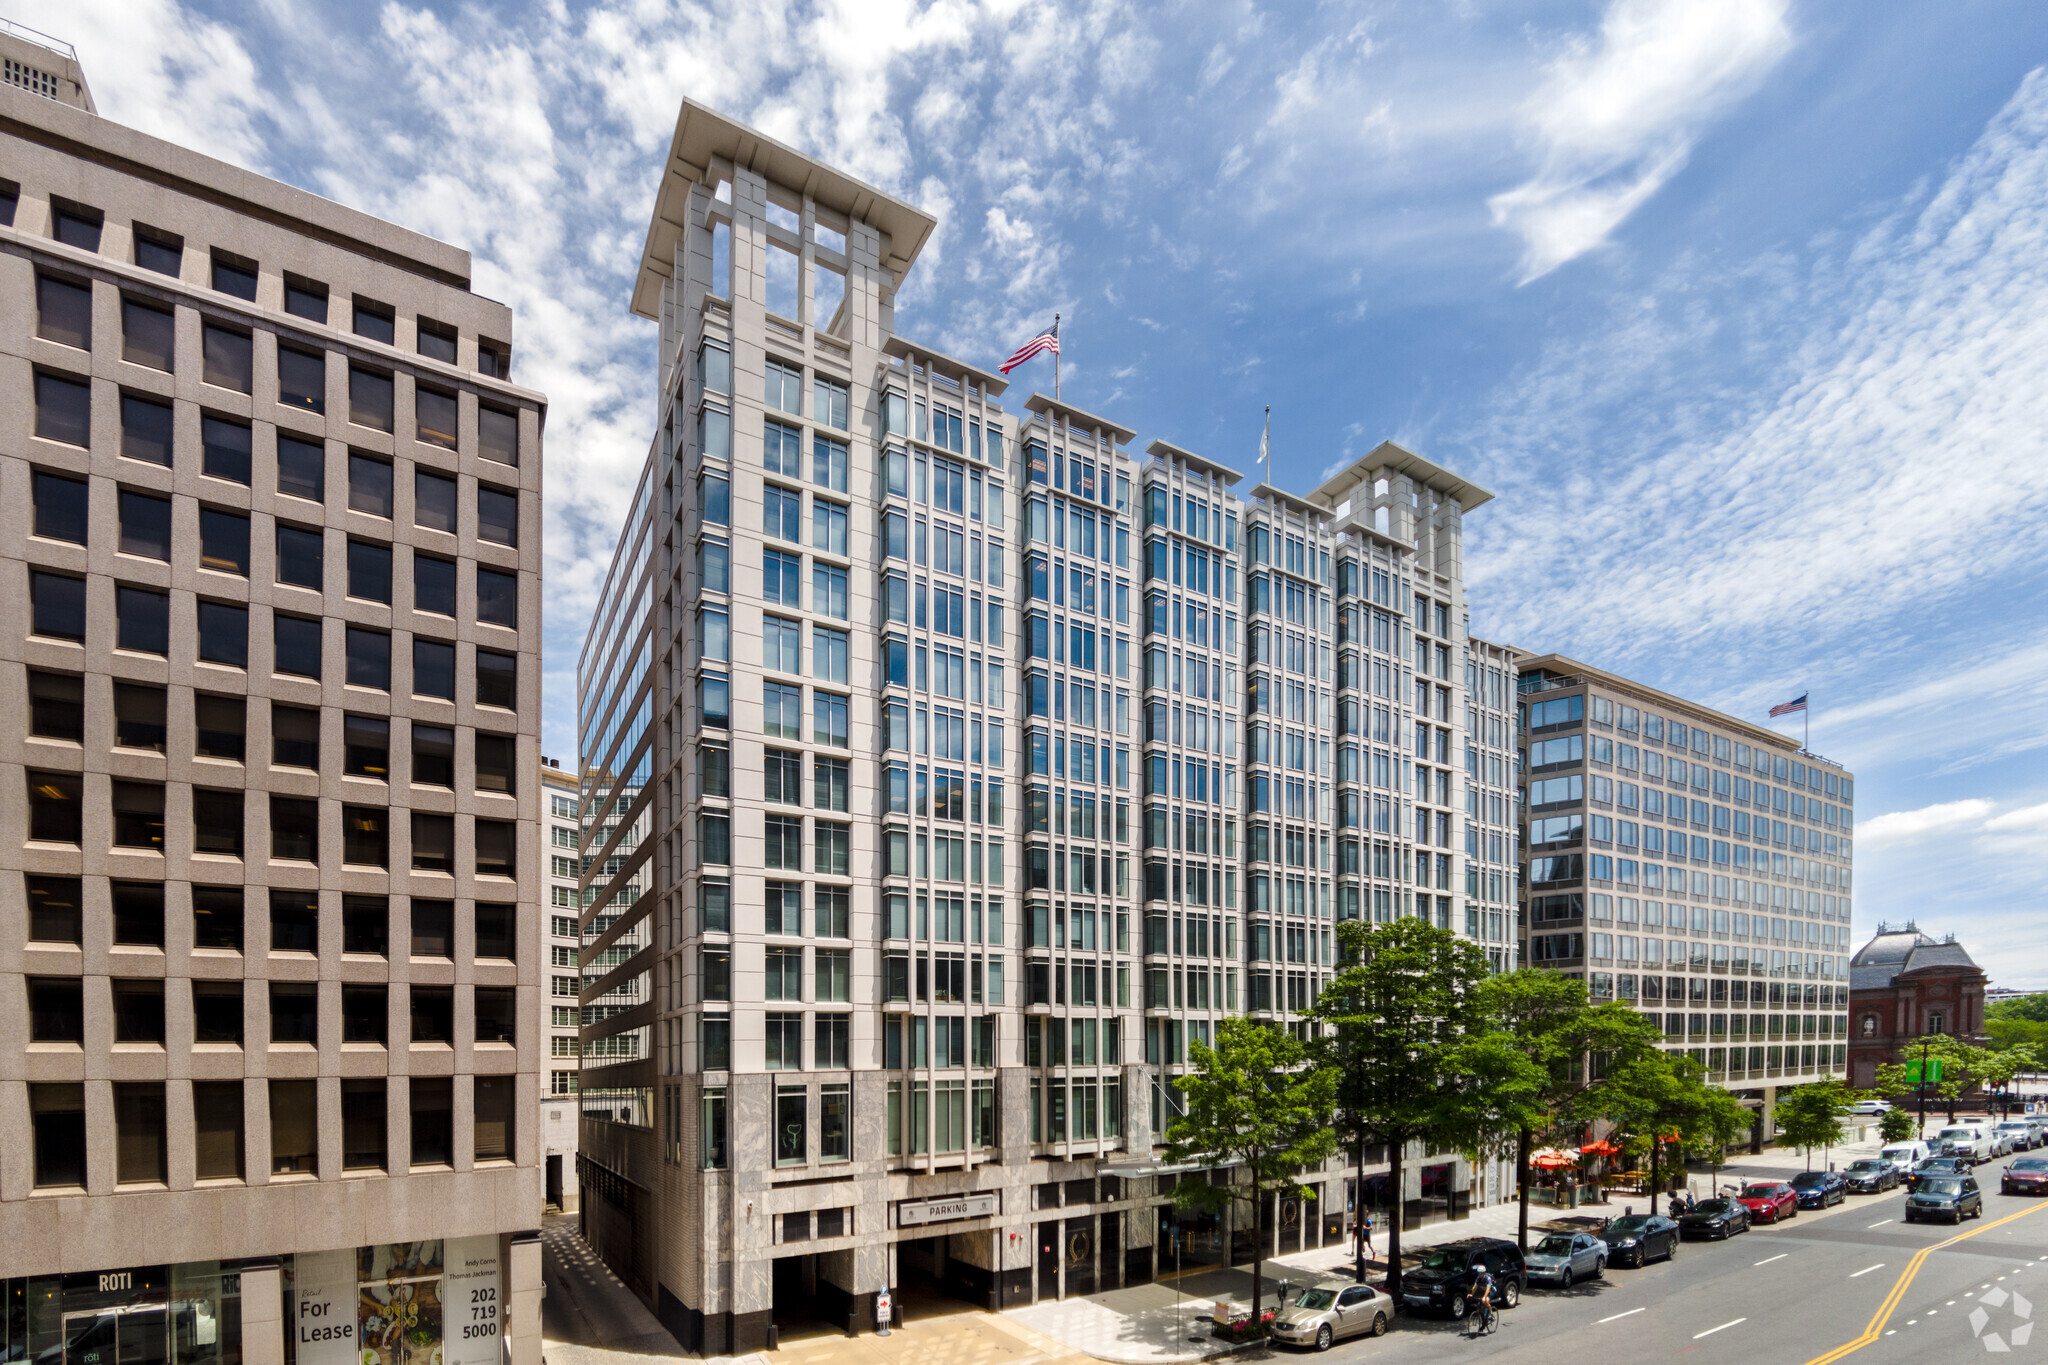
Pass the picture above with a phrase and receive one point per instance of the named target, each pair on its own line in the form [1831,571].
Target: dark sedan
[1870,1176]
[1716,1218]
[1639,1238]
[1937,1167]
[2028,1175]
[1819,1189]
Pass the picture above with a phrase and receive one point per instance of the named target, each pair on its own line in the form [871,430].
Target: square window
[294,829]
[433,501]
[433,668]
[433,585]
[217,1013]
[55,909]
[224,633]
[497,1016]
[302,379]
[369,571]
[295,735]
[366,836]
[234,276]
[497,515]
[433,842]
[366,925]
[294,1125]
[64,311]
[142,620]
[228,357]
[433,1120]
[225,449]
[301,556]
[436,340]
[294,922]
[433,928]
[493,360]
[141,1156]
[145,525]
[60,507]
[494,1117]
[163,252]
[217,921]
[366,746]
[217,822]
[433,1011]
[362,1125]
[301,468]
[148,335]
[138,913]
[217,1124]
[433,757]
[305,299]
[497,597]
[76,224]
[369,485]
[369,658]
[139,716]
[224,541]
[497,679]
[57,1115]
[370,398]
[374,320]
[145,429]
[56,605]
[56,706]
[139,815]
[497,433]
[54,801]
[435,415]
[495,763]
[497,932]
[365,1011]
[63,408]
[497,845]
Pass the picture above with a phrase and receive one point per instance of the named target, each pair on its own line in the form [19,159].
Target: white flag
[1266,436]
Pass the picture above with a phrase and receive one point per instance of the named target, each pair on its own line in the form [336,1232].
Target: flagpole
[1807,717]
[1055,356]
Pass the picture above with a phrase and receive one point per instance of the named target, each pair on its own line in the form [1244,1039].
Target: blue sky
[1741,307]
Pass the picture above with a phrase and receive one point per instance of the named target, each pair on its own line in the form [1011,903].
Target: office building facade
[562,864]
[947,769]
[1695,865]
[268,866]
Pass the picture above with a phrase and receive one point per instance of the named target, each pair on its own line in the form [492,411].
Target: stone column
[523,1291]
[263,1325]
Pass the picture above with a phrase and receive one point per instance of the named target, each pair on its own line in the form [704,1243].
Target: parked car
[1563,1257]
[1445,1276]
[1636,1239]
[1769,1201]
[1870,1176]
[1937,1166]
[2028,1175]
[1870,1108]
[1819,1189]
[1970,1140]
[1718,1218]
[1905,1155]
[2019,1135]
[1953,1197]
[1327,1312]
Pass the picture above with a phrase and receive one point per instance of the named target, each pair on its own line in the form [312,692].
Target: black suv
[1444,1278]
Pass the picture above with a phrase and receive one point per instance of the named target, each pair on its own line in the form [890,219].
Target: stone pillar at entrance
[263,1314]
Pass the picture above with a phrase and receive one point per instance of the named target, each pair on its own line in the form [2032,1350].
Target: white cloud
[2026,818]
[1617,118]
[1904,826]
[177,74]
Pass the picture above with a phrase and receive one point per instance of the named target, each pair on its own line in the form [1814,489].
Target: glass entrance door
[117,1336]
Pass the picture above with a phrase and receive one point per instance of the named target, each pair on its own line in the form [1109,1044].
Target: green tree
[1405,1013]
[1661,1100]
[1895,1125]
[2014,1031]
[1962,1066]
[1256,1099]
[2029,1007]
[1575,1045]
[1812,1115]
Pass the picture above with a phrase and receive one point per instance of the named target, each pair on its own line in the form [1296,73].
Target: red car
[1768,1201]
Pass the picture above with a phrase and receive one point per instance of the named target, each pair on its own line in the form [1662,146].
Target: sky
[1740,307]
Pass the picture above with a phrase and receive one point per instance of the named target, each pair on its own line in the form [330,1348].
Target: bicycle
[1489,1318]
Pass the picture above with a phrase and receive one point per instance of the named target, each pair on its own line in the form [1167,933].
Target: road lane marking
[1866,1270]
[1618,1316]
[1779,1257]
[1882,1317]
[1722,1328]
[1880,1222]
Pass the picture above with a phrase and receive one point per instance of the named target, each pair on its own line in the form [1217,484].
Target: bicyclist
[1481,1295]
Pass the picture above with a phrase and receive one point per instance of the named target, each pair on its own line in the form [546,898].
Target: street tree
[1404,1010]
[1258,1099]
[1895,1125]
[1812,1114]
[1962,1066]
[1576,1045]
[1663,1100]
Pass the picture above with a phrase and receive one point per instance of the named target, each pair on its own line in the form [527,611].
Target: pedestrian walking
[1365,1233]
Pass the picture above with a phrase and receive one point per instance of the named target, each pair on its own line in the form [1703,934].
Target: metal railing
[56,45]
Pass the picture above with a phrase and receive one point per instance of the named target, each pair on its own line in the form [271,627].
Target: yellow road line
[1905,1282]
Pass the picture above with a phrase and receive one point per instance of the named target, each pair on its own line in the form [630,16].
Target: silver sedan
[1563,1257]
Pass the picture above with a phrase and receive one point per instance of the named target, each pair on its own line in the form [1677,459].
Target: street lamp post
[1923,1090]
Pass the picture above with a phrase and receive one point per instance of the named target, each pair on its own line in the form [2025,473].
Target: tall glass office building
[949,768]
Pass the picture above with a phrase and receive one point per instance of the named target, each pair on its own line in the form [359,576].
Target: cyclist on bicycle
[1481,1296]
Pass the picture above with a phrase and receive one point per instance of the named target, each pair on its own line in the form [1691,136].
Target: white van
[1906,1155]
[1971,1141]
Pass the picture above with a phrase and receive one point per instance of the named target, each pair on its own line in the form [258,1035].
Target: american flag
[1048,340]
[1786,708]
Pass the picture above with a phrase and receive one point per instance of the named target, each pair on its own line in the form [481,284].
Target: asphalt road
[1797,1294]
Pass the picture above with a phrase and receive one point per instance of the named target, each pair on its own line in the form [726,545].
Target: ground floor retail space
[408,1303]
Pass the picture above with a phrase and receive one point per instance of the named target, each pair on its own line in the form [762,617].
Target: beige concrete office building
[1693,864]
[269,859]
[561,858]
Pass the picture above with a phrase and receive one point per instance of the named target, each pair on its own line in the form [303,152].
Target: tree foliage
[1895,1125]
[1412,1045]
[1661,1100]
[1811,1115]
[2031,1008]
[1259,1100]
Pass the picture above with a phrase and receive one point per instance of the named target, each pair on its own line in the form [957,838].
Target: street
[1790,1295]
